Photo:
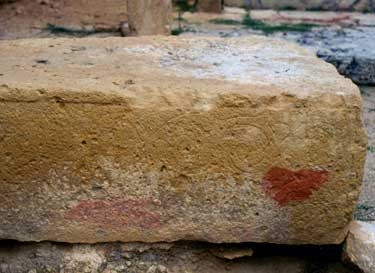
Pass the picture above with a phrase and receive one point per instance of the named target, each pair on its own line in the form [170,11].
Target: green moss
[371,149]
[248,22]
[222,21]
[363,91]
[56,29]
[183,5]
[180,19]
[313,9]
[364,207]
[177,31]
[288,8]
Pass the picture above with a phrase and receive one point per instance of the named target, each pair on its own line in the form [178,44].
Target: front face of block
[167,157]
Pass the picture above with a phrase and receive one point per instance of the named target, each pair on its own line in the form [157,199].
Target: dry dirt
[182,257]
[30,18]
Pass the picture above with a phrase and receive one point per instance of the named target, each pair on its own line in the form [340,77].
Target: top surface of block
[146,68]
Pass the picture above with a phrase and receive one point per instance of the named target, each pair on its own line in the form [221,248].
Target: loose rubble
[360,245]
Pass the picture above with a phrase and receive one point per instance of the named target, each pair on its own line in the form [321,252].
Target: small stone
[18,10]
[55,5]
[87,269]
[3,267]
[129,82]
[124,27]
[152,269]
[120,268]
[126,255]
[231,254]
[360,245]
[162,268]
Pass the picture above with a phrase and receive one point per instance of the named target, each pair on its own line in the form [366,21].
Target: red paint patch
[285,186]
[115,212]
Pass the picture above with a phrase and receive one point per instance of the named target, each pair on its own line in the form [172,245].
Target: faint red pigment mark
[115,212]
[285,186]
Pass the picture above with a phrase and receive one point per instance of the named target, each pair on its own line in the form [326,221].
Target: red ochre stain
[115,213]
[285,186]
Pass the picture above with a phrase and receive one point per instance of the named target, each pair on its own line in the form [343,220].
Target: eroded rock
[360,245]
[163,139]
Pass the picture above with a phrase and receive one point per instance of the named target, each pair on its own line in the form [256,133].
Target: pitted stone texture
[149,17]
[164,138]
[360,245]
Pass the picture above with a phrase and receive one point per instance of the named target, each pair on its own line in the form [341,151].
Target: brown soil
[30,18]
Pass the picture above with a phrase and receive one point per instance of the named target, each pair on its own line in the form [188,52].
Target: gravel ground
[366,207]
[184,257]
[61,18]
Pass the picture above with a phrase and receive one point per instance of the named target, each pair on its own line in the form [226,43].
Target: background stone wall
[334,5]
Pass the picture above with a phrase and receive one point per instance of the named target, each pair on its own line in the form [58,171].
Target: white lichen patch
[83,254]
[368,228]
[227,60]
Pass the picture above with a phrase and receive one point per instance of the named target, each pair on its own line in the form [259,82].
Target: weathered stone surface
[215,6]
[334,5]
[360,245]
[344,39]
[149,17]
[162,139]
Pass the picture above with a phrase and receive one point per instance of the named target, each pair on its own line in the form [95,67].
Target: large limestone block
[360,245]
[163,138]
[149,17]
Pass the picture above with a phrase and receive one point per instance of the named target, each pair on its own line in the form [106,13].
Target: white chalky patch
[368,228]
[247,63]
